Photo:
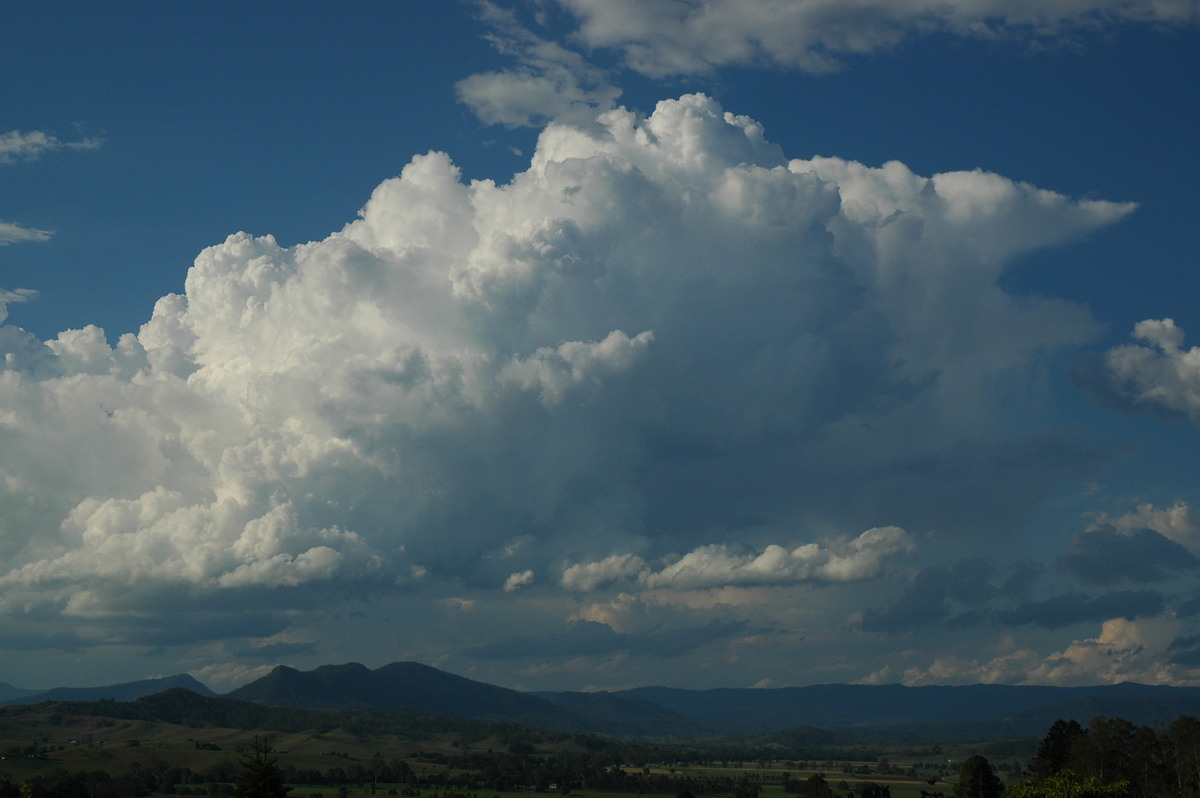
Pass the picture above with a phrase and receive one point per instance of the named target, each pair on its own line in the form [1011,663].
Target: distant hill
[181,707]
[128,691]
[8,692]
[1137,704]
[931,711]
[627,715]
[408,685]
[838,706]
[858,713]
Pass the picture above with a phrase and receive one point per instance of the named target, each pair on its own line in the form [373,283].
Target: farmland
[45,745]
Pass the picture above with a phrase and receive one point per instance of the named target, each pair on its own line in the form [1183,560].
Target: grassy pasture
[122,746]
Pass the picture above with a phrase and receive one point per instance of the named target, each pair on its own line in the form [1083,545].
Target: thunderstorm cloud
[664,358]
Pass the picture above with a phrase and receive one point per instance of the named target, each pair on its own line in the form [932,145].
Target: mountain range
[128,691]
[977,710]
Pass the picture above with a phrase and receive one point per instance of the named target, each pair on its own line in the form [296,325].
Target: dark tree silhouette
[1184,739]
[976,779]
[1056,748]
[260,776]
[817,787]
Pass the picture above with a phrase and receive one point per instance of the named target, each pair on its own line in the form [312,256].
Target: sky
[593,344]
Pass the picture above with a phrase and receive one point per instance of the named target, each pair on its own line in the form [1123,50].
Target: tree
[260,776]
[1054,753]
[976,779]
[816,787]
[1105,750]
[1152,764]
[1184,735]
[1067,784]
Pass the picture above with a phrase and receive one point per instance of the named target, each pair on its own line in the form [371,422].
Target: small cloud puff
[1159,376]
[517,581]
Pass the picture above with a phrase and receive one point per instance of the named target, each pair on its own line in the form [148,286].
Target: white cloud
[720,565]
[1159,377]
[625,612]
[11,297]
[659,329]
[586,577]
[555,373]
[516,581]
[548,82]
[17,146]
[1124,651]
[666,37]
[226,676]
[11,233]
[1177,522]
[1009,667]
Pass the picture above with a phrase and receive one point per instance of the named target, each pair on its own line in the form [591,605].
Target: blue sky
[562,343]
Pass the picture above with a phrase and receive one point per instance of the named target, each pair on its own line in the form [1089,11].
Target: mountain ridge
[408,685]
[673,712]
[125,691]
[657,711]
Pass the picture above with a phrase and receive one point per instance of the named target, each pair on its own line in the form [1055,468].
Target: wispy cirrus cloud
[547,82]
[10,297]
[668,37]
[16,146]
[11,233]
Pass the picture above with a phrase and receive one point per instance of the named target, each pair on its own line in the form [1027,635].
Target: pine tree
[260,776]
[1056,748]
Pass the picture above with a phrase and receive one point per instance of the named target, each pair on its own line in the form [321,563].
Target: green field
[84,744]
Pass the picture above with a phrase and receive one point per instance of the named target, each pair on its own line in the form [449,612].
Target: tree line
[1110,758]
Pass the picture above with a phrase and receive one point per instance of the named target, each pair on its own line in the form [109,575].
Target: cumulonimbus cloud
[662,326]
